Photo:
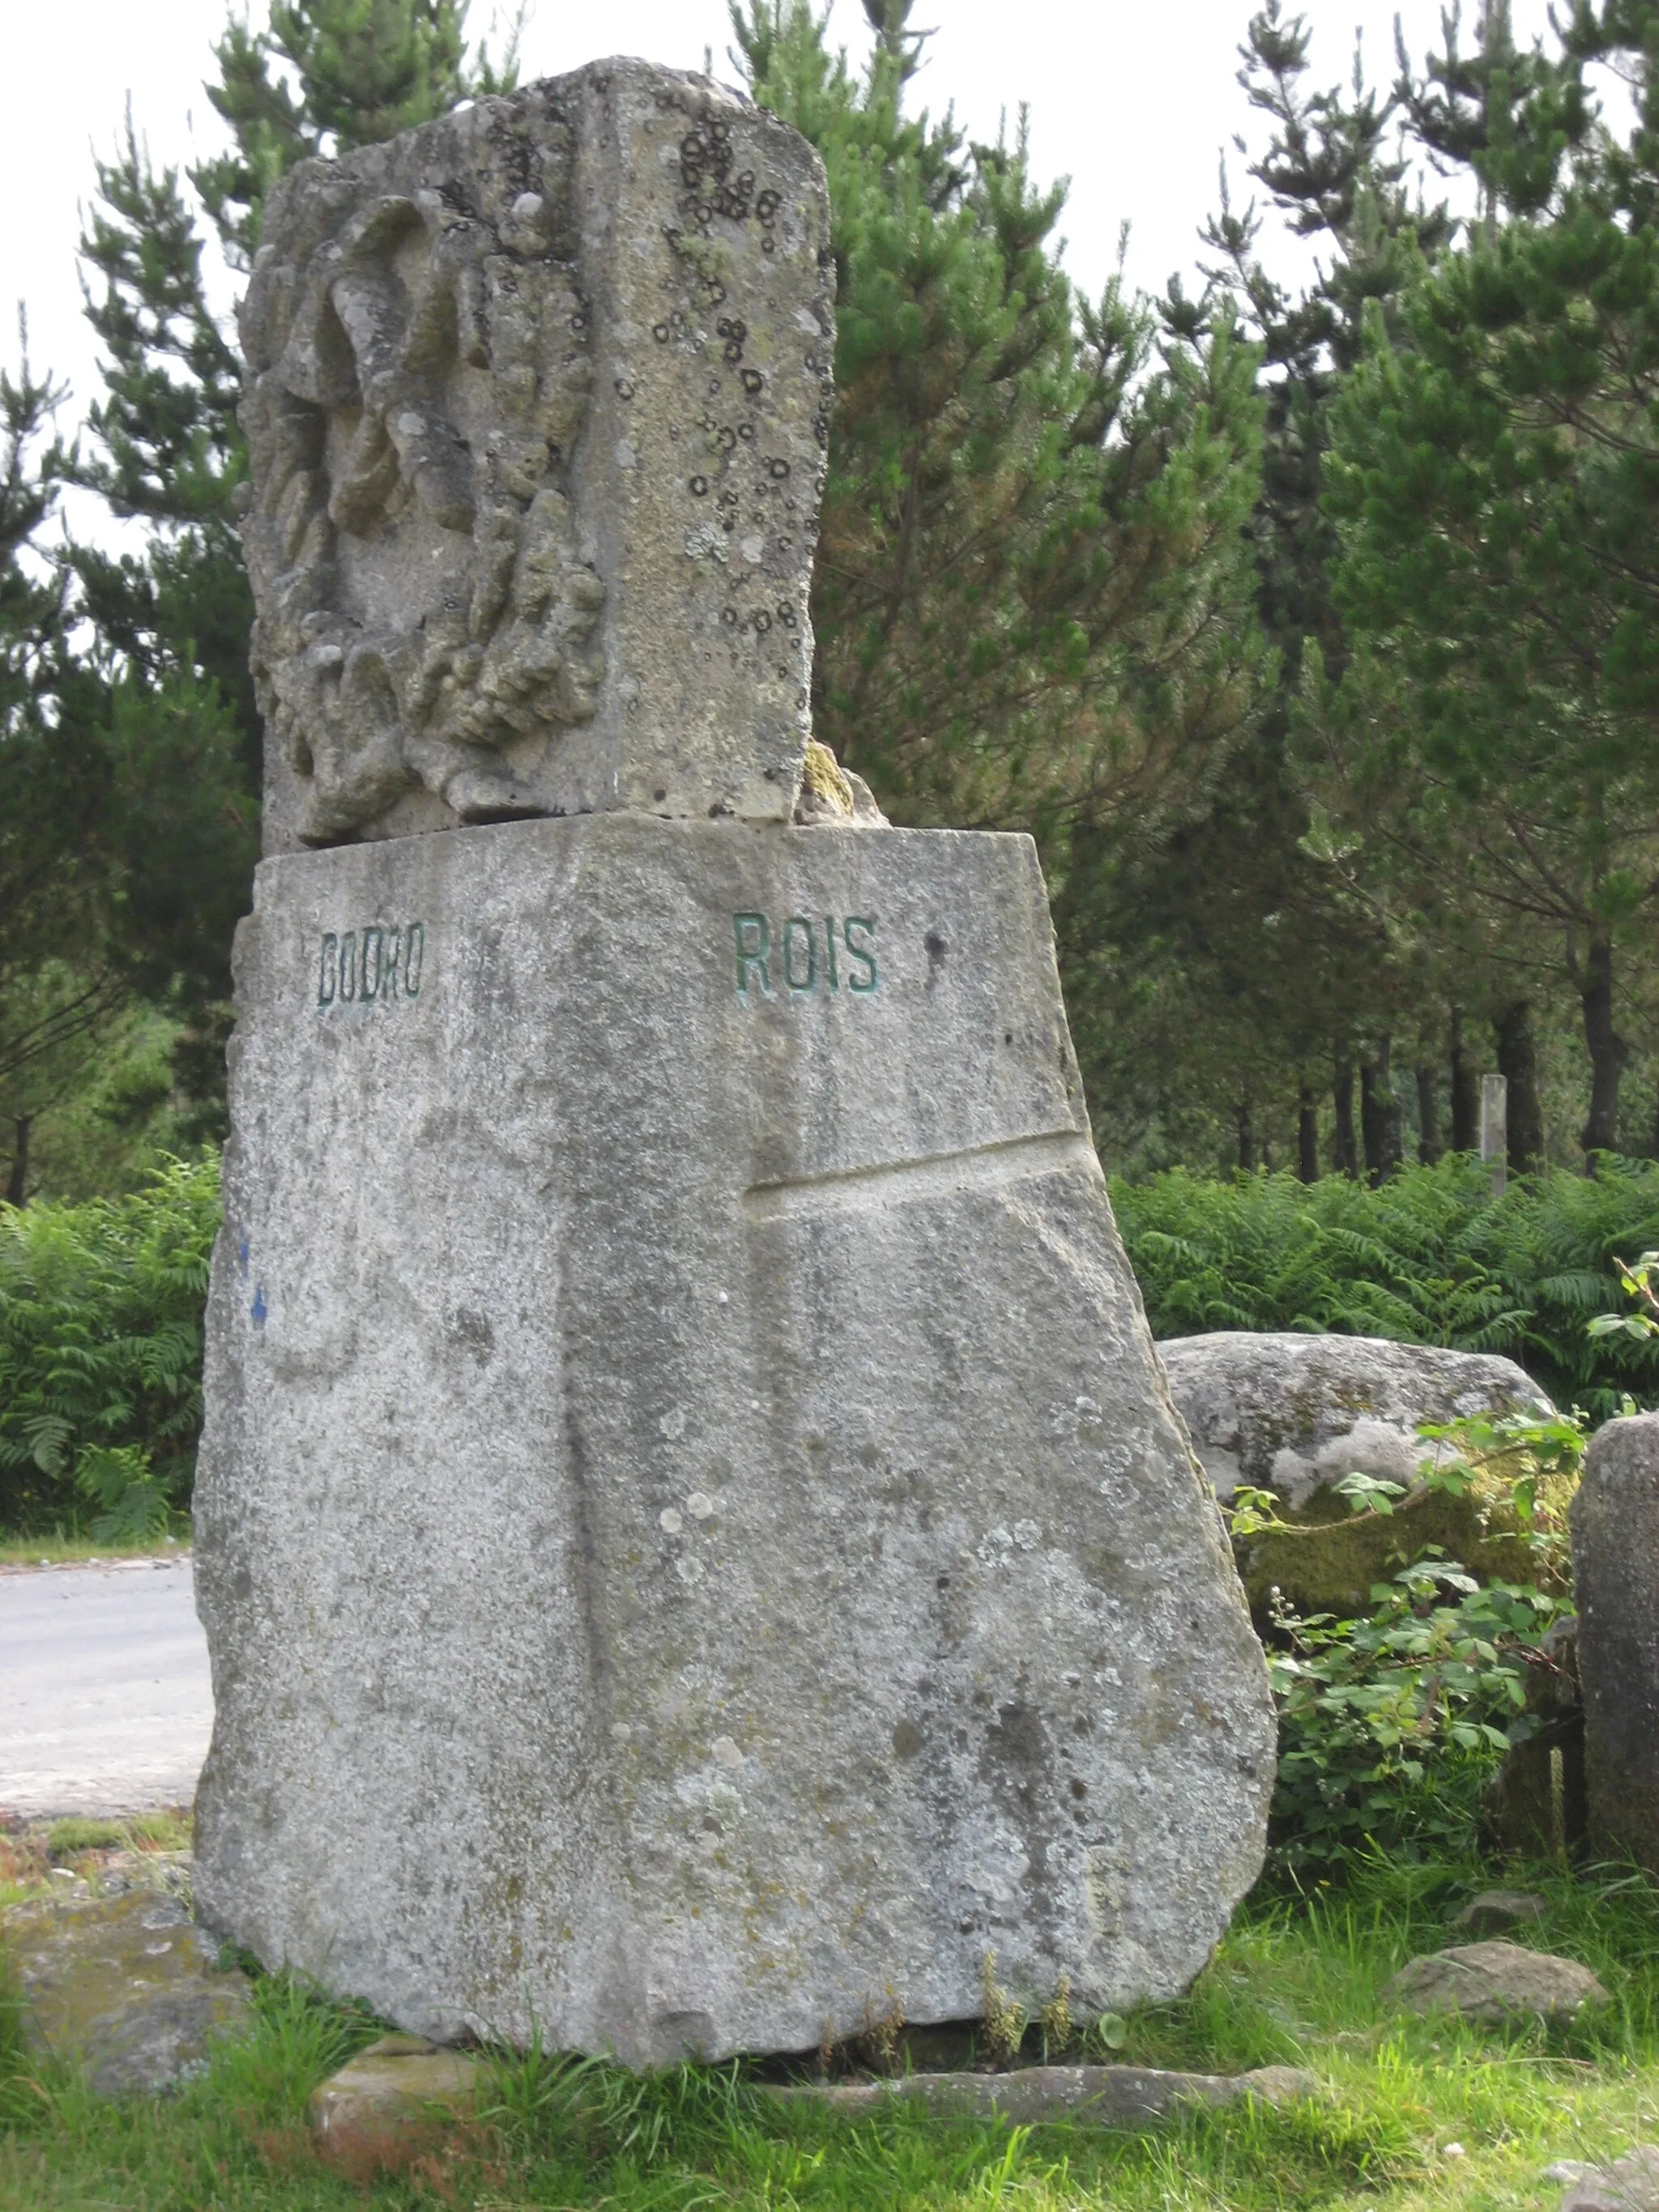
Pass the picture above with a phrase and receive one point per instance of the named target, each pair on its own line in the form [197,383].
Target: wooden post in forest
[1494,1129]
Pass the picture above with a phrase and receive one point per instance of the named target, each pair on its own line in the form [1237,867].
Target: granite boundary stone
[692,1534]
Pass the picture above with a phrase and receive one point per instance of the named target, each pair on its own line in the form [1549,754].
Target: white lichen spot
[700,1505]
[725,1751]
[672,1425]
[996,1548]
[671,1519]
[752,548]
[688,1569]
[1028,1535]
[527,206]
[721,1298]
[706,542]
[726,1807]
[620,1731]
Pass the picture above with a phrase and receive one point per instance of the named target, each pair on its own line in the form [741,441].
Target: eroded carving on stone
[425,604]
[536,402]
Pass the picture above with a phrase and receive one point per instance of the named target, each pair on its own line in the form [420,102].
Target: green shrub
[1390,1727]
[100,1354]
[1430,1258]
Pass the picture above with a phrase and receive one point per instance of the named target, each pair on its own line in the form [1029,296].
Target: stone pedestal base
[693,1538]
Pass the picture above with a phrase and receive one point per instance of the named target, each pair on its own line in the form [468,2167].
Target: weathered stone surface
[1630,2183]
[127,1984]
[1535,1805]
[537,406]
[1495,1983]
[1614,1520]
[1296,1413]
[692,1536]
[1500,1908]
[392,2104]
[1100,2096]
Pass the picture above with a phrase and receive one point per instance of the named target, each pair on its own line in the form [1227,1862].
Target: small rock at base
[1499,1908]
[1630,2184]
[1102,2096]
[1493,1983]
[127,1984]
[390,2105]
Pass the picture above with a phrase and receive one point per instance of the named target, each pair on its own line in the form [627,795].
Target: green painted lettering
[867,960]
[798,921]
[754,941]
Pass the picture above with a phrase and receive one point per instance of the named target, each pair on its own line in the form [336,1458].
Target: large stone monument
[694,1544]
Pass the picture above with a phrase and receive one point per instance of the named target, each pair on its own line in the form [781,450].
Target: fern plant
[1430,1257]
[100,1354]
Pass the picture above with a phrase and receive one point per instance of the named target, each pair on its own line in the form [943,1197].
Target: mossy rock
[128,1985]
[1329,1566]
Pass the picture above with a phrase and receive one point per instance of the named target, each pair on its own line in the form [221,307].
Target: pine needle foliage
[100,1354]
[1430,1257]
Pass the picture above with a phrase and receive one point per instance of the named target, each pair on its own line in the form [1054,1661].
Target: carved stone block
[694,1543]
[537,407]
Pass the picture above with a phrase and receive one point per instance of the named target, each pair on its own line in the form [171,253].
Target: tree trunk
[1429,1147]
[1465,1092]
[1517,1062]
[1307,1135]
[1347,1150]
[1608,1052]
[1246,1138]
[17,1188]
[1379,1116]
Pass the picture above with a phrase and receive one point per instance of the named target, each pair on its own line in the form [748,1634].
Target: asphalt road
[106,1704]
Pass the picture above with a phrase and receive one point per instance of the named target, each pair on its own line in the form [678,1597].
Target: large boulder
[1295,1414]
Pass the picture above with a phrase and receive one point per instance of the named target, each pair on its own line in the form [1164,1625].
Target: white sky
[1133,103]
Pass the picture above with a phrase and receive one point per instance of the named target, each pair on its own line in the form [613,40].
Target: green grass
[29,1853]
[62,1549]
[1298,1981]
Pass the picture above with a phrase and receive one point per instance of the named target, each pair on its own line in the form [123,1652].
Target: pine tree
[59,983]
[172,622]
[1032,598]
[1029,564]
[1496,478]
[1289,975]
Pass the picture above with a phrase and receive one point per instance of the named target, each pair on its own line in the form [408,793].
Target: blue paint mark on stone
[259,1308]
[242,1255]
